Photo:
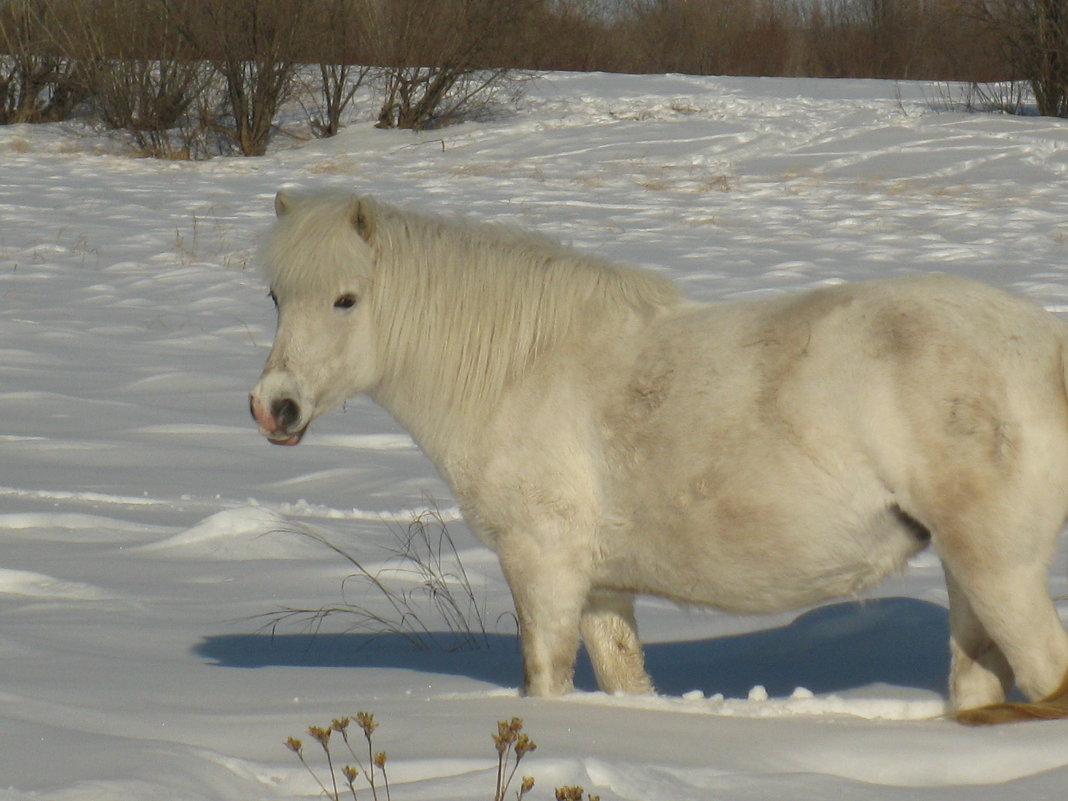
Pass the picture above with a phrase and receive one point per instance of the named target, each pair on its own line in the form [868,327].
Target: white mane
[478,304]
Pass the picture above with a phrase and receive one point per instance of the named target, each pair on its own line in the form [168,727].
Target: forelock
[314,245]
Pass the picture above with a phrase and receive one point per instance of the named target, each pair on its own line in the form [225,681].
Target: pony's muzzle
[279,423]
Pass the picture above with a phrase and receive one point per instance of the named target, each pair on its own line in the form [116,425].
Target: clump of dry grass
[510,742]
[420,591]
[574,794]
[374,774]
[512,745]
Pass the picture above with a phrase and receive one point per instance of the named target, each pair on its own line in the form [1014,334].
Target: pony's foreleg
[610,633]
[549,587]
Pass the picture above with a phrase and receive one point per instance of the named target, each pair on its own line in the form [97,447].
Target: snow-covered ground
[148,534]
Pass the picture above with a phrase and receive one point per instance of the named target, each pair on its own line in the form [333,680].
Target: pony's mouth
[284,438]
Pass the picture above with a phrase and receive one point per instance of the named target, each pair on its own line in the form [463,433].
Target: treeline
[193,77]
[907,39]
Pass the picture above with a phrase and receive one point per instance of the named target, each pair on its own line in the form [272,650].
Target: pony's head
[431,317]
[319,264]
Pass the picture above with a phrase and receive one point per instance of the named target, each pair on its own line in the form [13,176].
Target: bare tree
[139,75]
[340,37]
[1034,36]
[253,45]
[443,60]
[38,83]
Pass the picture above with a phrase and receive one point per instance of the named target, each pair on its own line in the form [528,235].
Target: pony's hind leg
[1003,614]
[979,673]
[1015,609]
[610,633]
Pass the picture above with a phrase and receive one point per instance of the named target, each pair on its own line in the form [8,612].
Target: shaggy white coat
[606,437]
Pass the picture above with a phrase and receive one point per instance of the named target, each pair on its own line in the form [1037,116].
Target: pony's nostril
[286,413]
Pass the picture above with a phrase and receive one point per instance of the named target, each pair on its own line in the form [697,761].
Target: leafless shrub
[333,93]
[430,97]
[36,88]
[341,34]
[38,83]
[139,77]
[444,61]
[1034,38]
[1004,97]
[252,45]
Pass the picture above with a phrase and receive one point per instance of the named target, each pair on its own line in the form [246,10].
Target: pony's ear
[282,203]
[363,217]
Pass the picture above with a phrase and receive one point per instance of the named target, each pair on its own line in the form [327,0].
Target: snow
[149,538]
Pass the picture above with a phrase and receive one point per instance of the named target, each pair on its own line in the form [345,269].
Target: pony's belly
[773,572]
[799,586]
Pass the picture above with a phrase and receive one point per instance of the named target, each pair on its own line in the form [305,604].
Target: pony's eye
[346,301]
[273,297]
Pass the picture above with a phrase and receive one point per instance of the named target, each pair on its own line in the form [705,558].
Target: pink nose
[261,415]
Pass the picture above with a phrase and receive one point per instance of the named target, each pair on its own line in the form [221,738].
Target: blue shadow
[897,641]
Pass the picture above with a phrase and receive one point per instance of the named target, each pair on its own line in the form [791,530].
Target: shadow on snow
[897,641]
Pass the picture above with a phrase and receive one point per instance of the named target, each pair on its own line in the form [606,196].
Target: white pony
[606,437]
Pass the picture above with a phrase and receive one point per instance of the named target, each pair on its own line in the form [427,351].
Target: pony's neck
[464,312]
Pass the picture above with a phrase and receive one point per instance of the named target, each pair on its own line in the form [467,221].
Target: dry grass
[372,772]
[421,593]
[367,774]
